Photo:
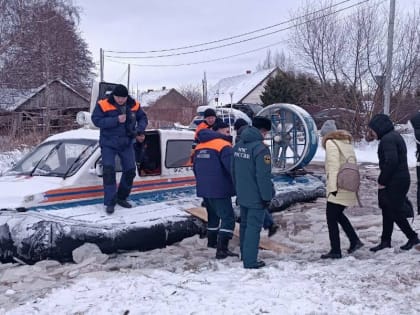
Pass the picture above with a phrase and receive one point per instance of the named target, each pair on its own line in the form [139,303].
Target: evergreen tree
[286,87]
[280,89]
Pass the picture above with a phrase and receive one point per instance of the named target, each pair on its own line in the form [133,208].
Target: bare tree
[192,93]
[407,53]
[8,21]
[279,60]
[46,45]
[350,47]
[315,30]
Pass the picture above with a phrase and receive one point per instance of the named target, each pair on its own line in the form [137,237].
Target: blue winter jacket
[113,133]
[212,161]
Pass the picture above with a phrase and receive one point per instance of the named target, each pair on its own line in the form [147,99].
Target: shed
[49,109]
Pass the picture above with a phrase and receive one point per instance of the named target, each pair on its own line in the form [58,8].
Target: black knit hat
[120,90]
[239,123]
[261,122]
[209,112]
[219,124]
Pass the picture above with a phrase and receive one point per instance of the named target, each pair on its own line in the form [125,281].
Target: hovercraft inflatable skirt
[34,236]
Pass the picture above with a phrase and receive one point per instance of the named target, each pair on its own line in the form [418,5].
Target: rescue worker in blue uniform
[251,171]
[208,122]
[268,224]
[212,169]
[119,118]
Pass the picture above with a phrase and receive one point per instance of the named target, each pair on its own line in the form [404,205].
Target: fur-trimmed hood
[337,135]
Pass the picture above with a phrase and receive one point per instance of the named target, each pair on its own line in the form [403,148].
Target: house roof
[147,99]
[11,99]
[239,86]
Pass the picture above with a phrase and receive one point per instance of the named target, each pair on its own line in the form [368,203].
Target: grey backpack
[348,177]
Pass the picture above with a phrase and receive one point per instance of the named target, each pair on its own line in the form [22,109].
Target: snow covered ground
[186,278]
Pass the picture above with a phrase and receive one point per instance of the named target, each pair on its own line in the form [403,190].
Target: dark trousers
[250,228]
[220,211]
[126,156]
[418,187]
[335,215]
[391,200]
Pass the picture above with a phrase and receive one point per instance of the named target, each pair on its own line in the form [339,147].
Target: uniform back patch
[267,159]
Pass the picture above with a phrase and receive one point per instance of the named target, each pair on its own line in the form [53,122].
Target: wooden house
[48,109]
[166,107]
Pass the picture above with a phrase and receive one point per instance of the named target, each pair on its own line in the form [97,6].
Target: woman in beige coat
[338,148]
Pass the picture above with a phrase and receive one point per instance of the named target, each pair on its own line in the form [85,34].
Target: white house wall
[255,96]
[245,88]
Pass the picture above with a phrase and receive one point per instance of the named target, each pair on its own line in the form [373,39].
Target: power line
[237,42]
[235,55]
[200,62]
[227,38]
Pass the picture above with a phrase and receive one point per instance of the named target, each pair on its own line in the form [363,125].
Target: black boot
[380,246]
[410,243]
[212,239]
[260,264]
[355,246]
[124,203]
[331,255]
[110,209]
[272,230]
[222,249]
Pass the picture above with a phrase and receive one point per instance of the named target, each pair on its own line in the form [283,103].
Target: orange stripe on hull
[67,194]
[70,198]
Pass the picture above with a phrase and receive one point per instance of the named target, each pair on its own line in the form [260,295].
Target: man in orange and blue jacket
[212,169]
[119,118]
[208,122]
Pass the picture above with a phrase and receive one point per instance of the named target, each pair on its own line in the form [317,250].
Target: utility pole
[388,77]
[101,64]
[204,89]
[231,109]
[128,77]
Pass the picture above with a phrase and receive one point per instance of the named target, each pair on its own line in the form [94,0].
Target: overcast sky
[144,25]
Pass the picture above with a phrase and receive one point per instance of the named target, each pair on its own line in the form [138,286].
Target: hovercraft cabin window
[178,153]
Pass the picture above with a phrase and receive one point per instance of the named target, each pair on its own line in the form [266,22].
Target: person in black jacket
[415,122]
[393,182]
